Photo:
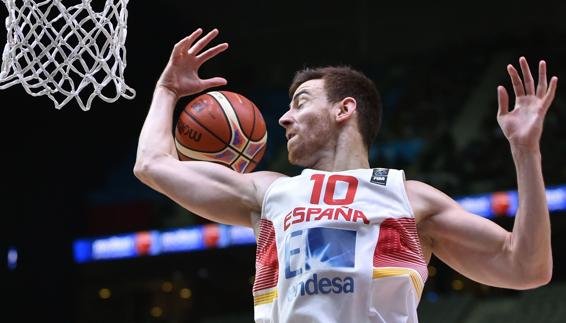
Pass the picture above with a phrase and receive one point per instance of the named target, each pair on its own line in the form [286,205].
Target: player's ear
[346,109]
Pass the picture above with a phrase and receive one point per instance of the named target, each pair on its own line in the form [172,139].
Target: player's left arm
[477,247]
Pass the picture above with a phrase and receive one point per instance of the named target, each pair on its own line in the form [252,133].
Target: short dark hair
[341,82]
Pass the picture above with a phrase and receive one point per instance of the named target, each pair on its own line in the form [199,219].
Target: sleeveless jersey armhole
[403,189]
[255,219]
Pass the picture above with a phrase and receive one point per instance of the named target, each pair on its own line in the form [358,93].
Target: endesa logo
[315,285]
[312,252]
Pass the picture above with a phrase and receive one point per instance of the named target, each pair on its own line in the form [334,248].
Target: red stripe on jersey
[266,263]
[399,246]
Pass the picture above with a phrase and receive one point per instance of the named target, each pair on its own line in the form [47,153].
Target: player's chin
[292,158]
[296,161]
[298,155]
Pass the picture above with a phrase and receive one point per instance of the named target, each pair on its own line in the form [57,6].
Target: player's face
[308,124]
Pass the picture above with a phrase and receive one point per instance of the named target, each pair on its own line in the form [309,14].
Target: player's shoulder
[423,190]
[417,186]
[267,176]
[427,200]
[262,180]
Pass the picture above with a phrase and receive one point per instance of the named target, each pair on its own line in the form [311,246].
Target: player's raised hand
[181,73]
[523,125]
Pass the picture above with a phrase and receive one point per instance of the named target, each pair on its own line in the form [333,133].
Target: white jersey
[338,247]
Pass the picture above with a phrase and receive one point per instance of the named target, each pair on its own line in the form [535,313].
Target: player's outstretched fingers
[549,96]
[527,76]
[199,45]
[503,101]
[211,52]
[516,81]
[542,82]
[183,45]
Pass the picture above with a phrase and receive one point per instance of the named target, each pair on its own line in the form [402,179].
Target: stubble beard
[305,154]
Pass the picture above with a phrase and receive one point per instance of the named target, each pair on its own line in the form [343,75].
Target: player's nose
[286,120]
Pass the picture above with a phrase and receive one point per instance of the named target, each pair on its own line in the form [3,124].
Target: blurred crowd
[439,125]
[440,119]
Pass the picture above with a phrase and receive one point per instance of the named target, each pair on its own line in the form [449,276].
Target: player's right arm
[207,189]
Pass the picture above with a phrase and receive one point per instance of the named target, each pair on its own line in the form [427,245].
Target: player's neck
[348,152]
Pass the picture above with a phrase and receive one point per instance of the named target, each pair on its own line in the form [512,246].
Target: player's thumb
[502,101]
[215,81]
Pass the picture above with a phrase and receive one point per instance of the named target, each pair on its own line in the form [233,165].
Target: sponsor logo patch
[379,176]
[311,252]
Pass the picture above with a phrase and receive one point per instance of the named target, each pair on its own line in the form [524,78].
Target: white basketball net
[65,52]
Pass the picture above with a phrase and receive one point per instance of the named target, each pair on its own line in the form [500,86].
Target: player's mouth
[289,140]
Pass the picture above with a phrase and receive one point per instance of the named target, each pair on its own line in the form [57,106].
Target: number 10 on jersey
[330,189]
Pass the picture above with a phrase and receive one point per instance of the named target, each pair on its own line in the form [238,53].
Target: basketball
[222,127]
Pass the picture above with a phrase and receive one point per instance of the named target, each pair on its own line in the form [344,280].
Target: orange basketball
[222,127]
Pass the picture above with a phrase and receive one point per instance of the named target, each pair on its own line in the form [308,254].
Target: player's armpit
[207,189]
[472,245]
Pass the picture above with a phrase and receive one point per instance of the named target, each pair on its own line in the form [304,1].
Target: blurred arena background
[67,175]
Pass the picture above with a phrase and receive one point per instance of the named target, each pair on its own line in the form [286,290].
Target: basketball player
[343,242]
